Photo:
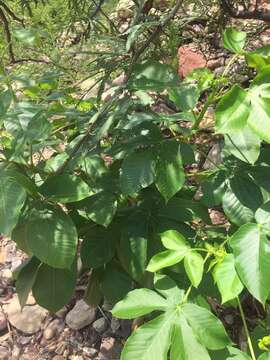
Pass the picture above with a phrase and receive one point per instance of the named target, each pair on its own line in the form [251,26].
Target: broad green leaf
[264,356]
[65,188]
[100,207]
[259,98]
[138,171]
[235,210]
[165,259]
[232,111]
[194,264]
[234,40]
[181,209]
[173,240]
[115,283]
[5,101]
[170,176]
[93,294]
[185,345]
[244,145]
[185,96]
[151,74]
[54,288]
[258,58]
[19,235]
[133,245]
[246,191]
[237,354]
[151,340]
[214,188]
[227,279]
[52,237]
[26,279]
[98,247]
[251,251]
[168,288]
[12,198]
[260,174]
[138,303]
[262,215]
[207,328]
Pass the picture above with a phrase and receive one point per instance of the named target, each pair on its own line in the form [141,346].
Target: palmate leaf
[186,328]
[227,279]
[194,265]
[170,176]
[251,251]
[52,237]
[185,345]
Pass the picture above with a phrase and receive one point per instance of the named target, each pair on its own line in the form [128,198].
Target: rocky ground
[76,332]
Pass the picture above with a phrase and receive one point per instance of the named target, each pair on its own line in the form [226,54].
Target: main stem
[246,329]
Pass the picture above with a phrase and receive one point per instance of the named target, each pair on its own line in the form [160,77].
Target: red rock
[189,59]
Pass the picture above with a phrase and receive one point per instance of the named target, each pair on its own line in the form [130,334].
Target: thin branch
[11,13]
[8,35]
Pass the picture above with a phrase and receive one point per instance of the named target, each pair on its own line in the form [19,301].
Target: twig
[8,35]
[11,13]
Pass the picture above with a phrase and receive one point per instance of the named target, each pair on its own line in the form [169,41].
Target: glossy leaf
[170,175]
[54,288]
[165,259]
[262,216]
[65,188]
[234,40]
[251,251]
[52,237]
[173,240]
[138,171]
[207,328]
[227,279]
[139,302]
[194,265]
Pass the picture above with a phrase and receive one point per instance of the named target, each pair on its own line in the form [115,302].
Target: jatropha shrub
[117,191]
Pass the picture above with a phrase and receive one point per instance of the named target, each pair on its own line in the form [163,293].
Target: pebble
[81,315]
[52,329]
[16,352]
[4,353]
[58,357]
[3,321]
[100,325]
[90,352]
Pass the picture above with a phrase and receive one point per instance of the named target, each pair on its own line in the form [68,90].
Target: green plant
[114,177]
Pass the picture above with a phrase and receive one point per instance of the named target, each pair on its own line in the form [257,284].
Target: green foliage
[113,182]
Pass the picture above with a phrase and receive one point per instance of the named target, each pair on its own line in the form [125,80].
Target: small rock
[24,340]
[115,325]
[81,315]
[90,352]
[190,59]
[109,349]
[52,329]
[7,274]
[100,325]
[28,319]
[3,321]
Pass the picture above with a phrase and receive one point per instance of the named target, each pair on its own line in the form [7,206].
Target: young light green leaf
[234,40]
[168,288]
[170,176]
[52,237]
[232,111]
[173,240]
[151,340]
[138,303]
[207,328]
[138,171]
[54,288]
[26,279]
[194,264]
[65,188]
[185,345]
[12,198]
[227,279]
[165,259]
[264,356]
[251,251]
